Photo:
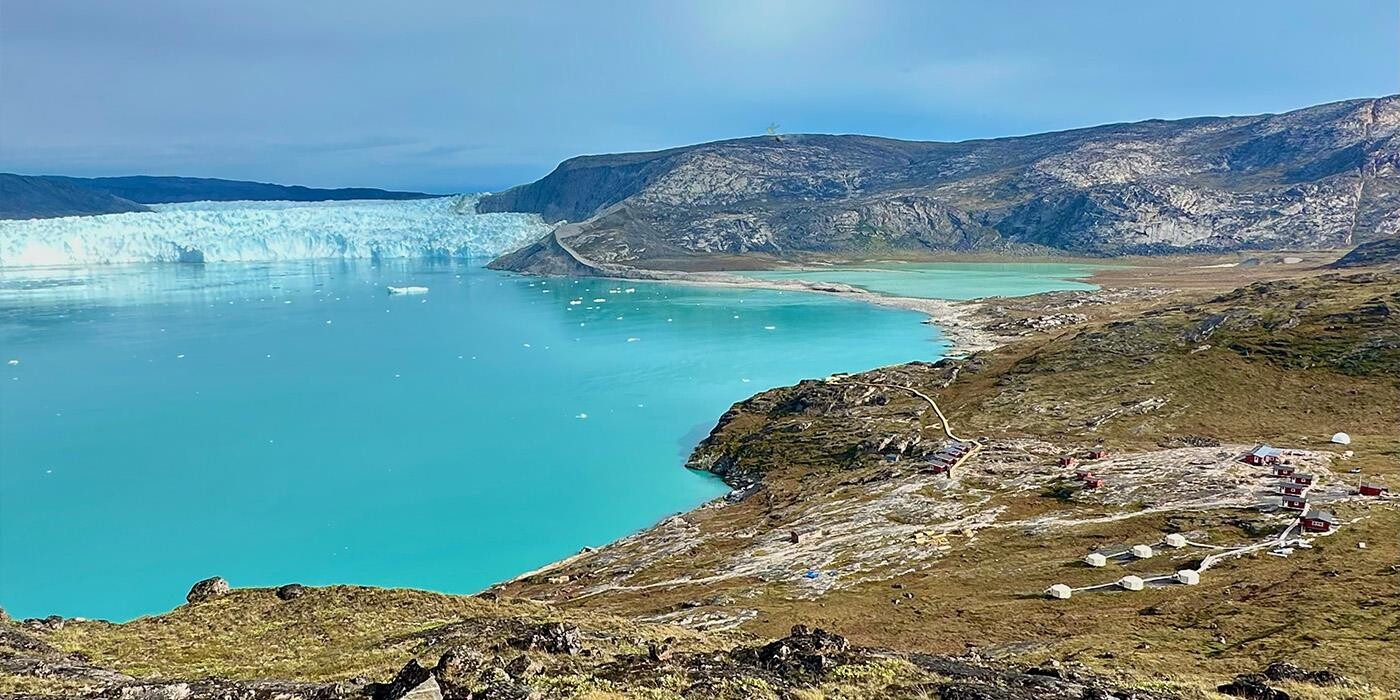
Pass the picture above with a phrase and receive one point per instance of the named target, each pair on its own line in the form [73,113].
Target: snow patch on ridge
[269,231]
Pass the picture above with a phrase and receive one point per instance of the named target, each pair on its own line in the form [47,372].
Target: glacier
[270,231]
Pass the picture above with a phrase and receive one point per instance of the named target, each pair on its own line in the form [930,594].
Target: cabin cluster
[1085,474]
[1293,485]
[1124,554]
[952,454]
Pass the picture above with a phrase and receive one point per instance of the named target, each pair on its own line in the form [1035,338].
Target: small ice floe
[12,363]
[575,302]
[181,356]
[630,290]
[599,301]
[581,416]
[770,328]
[614,291]
[736,315]
[409,290]
[633,340]
[669,320]
[288,301]
[745,380]
[328,323]
[525,344]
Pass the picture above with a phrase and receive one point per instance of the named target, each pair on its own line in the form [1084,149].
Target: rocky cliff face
[1320,177]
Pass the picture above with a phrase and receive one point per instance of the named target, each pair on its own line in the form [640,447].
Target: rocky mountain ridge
[47,196]
[1314,178]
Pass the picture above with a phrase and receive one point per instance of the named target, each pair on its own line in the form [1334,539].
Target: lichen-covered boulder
[207,589]
[290,591]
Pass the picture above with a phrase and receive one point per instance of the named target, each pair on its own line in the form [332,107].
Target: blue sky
[451,96]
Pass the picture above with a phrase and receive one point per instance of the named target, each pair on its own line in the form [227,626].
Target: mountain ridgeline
[46,196]
[1316,178]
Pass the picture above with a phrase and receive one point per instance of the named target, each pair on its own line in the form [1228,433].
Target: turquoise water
[288,422]
[946,280]
[293,422]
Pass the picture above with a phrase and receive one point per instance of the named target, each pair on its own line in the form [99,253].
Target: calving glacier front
[265,231]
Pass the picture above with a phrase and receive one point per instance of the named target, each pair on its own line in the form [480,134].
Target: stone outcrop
[208,589]
[555,638]
[1313,178]
[805,651]
[291,591]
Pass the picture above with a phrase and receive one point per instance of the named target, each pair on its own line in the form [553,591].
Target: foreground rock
[208,589]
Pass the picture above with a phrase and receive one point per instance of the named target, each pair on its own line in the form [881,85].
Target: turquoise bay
[950,280]
[272,423]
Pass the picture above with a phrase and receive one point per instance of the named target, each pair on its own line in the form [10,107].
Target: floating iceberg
[408,290]
[268,231]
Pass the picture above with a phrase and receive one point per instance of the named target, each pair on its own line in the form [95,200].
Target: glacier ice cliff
[268,231]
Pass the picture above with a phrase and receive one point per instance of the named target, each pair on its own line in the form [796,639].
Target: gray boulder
[208,589]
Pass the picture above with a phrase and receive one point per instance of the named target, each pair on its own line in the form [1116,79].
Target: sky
[474,95]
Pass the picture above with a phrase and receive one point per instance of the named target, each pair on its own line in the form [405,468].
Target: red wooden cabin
[1372,490]
[1321,521]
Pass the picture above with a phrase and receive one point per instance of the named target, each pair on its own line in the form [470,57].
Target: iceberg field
[268,231]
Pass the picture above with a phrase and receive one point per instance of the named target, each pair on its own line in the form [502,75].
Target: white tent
[1341,439]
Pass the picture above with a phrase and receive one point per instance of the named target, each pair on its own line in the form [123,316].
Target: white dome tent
[1341,439]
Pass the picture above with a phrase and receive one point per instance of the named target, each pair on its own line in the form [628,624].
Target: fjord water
[950,280]
[294,422]
[284,422]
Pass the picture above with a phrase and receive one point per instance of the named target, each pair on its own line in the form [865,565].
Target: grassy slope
[1293,362]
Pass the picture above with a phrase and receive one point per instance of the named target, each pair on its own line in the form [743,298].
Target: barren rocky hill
[1320,177]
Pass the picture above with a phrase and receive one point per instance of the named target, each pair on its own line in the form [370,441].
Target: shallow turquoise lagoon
[293,422]
[952,280]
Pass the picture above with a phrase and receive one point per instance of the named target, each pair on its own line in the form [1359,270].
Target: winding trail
[947,429]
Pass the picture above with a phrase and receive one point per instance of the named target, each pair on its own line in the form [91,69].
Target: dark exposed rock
[207,589]
[1286,671]
[1252,687]
[459,672]
[659,652]
[1173,441]
[411,676]
[804,652]
[50,623]
[523,666]
[291,591]
[555,638]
